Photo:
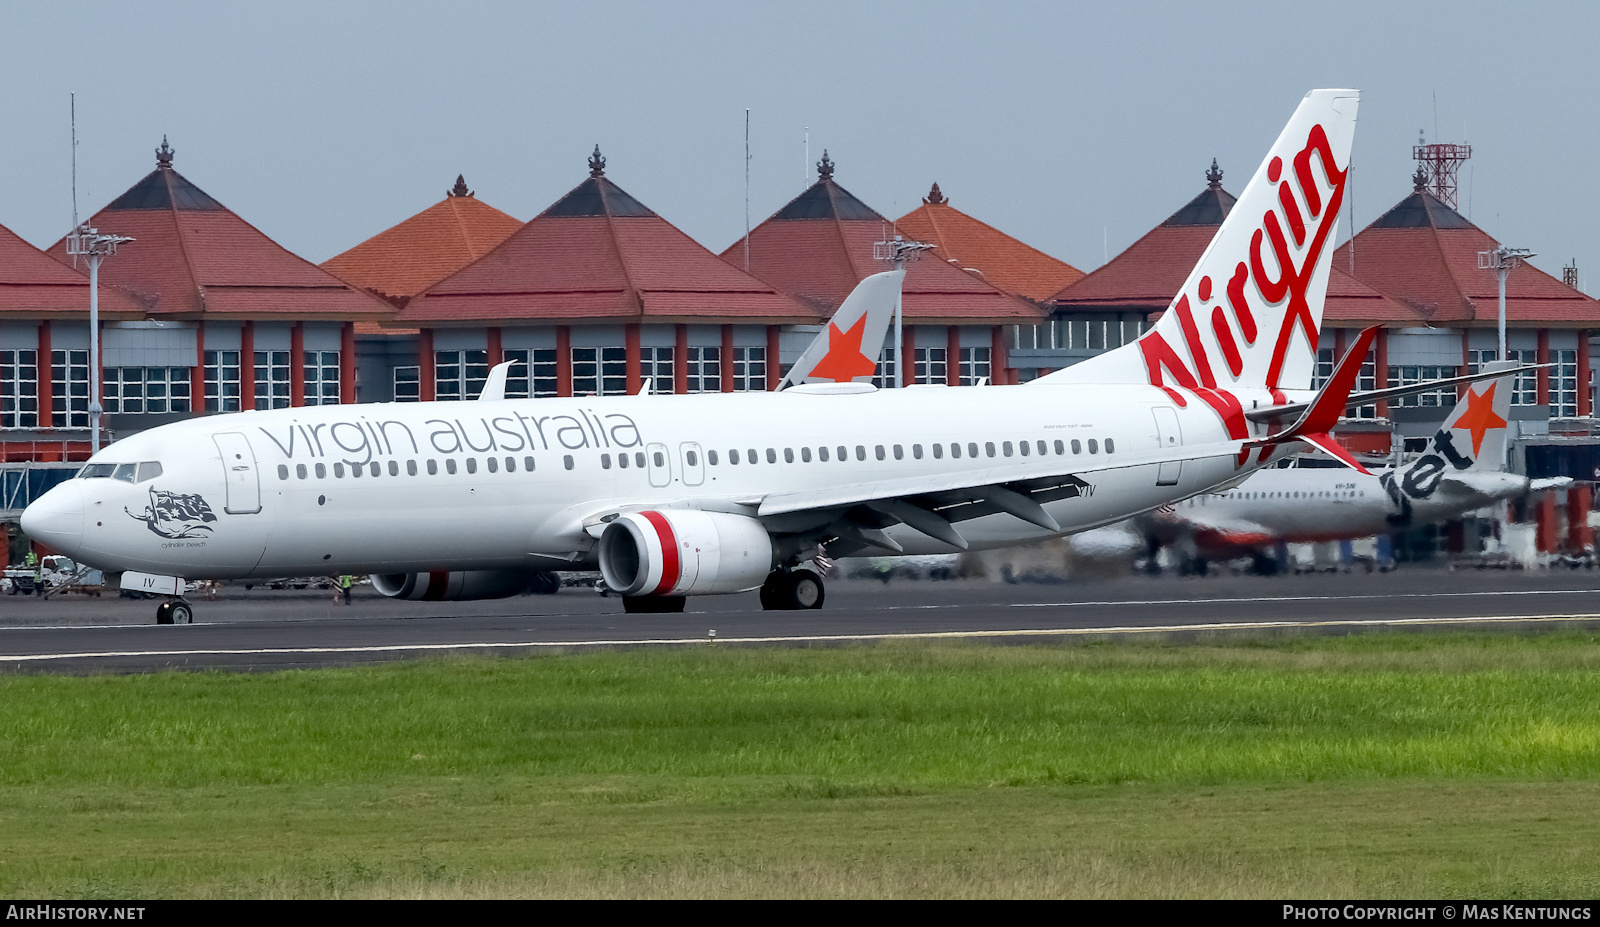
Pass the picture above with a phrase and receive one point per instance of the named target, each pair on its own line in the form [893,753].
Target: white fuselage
[1318,504]
[519,483]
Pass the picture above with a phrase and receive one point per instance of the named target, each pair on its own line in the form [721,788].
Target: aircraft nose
[56,518]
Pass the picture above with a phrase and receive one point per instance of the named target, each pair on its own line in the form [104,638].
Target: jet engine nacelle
[673,552]
[456,586]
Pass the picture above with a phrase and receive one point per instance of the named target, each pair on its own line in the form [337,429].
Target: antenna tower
[1442,160]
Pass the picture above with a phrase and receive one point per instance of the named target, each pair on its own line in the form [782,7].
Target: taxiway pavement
[263,629]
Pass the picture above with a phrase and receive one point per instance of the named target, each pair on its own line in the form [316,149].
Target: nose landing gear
[174,611]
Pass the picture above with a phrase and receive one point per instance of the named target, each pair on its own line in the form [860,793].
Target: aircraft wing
[932,504]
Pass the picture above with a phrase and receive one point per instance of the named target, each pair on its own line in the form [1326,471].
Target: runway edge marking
[799,639]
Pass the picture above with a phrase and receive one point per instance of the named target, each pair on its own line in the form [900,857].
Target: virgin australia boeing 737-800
[672,496]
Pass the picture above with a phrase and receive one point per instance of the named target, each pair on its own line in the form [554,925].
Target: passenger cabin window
[566,459]
[822,454]
[899,453]
[394,468]
[988,447]
[605,461]
[772,456]
[878,452]
[1005,448]
[511,464]
[300,471]
[861,452]
[433,468]
[752,456]
[411,468]
[283,471]
[450,466]
[805,455]
[322,471]
[1094,446]
[938,451]
[338,470]
[1110,448]
[638,459]
[712,457]
[527,464]
[659,458]
[1023,447]
[690,456]
[493,463]
[788,455]
[955,450]
[733,455]
[1077,446]
[1060,448]
[916,451]
[972,449]
[622,461]
[844,453]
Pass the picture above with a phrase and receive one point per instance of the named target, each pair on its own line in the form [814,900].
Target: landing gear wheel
[182,613]
[652,604]
[774,590]
[545,584]
[804,590]
[164,613]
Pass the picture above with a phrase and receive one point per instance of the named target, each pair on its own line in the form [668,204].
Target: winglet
[495,386]
[1318,420]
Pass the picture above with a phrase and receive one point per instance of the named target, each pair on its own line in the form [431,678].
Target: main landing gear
[174,611]
[792,590]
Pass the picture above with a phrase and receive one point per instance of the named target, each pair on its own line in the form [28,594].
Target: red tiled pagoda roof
[1426,254]
[1148,274]
[402,261]
[195,257]
[819,246]
[1005,262]
[598,254]
[35,285]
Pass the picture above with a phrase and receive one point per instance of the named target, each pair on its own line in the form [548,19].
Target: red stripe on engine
[438,585]
[670,567]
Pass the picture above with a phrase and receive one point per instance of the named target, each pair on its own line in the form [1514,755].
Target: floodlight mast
[93,247]
[1501,260]
[900,252]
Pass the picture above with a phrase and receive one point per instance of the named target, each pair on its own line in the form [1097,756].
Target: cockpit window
[127,473]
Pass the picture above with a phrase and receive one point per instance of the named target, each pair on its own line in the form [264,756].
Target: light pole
[93,247]
[1501,260]
[900,252]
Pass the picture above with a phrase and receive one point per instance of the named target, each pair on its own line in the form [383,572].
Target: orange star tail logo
[844,360]
[1479,417]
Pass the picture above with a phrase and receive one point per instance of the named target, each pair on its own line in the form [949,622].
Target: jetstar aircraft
[1461,471]
[672,496]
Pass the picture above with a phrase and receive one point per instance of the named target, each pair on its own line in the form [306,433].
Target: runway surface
[263,629]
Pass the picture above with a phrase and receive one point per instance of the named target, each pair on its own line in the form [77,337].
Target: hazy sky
[1074,127]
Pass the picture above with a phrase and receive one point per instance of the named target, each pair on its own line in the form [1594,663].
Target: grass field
[1387,764]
